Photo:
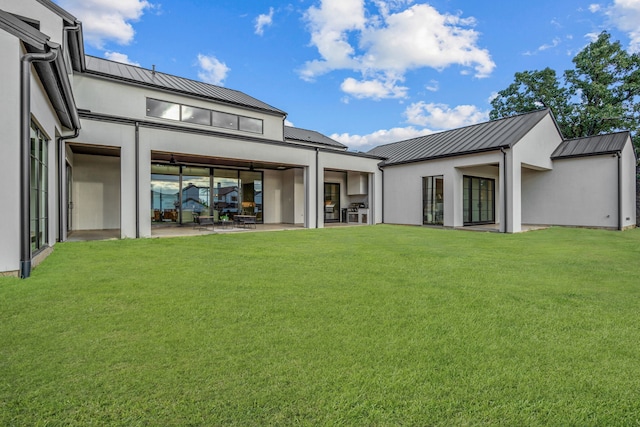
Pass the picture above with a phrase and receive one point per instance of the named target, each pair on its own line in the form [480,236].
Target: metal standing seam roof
[310,136]
[591,145]
[492,135]
[146,77]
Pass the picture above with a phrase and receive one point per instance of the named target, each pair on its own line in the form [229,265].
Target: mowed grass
[383,325]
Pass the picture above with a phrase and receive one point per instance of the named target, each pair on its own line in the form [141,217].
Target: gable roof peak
[479,137]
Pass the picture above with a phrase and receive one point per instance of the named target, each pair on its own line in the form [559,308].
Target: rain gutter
[27,59]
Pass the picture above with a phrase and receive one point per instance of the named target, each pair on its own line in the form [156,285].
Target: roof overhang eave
[575,156]
[58,87]
[444,156]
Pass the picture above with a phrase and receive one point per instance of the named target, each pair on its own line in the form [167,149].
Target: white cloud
[263,21]
[212,70]
[383,136]
[120,57]
[107,20]
[555,42]
[329,26]
[593,8]
[625,14]
[374,89]
[392,42]
[592,37]
[423,118]
[441,116]
[433,86]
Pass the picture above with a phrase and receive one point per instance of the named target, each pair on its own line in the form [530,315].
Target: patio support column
[512,194]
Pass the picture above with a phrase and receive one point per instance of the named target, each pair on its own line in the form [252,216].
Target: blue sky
[362,72]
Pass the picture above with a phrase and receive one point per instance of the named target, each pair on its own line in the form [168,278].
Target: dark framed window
[248,124]
[224,120]
[196,115]
[39,190]
[202,116]
[479,200]
[163,109]
[433,200]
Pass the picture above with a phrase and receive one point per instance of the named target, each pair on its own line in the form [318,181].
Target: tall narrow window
[39,189]
[251,186]
[331,202]
[165,193]
[433,200]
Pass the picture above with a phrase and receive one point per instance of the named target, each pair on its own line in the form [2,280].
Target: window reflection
[224,120]
[196,115]
[202,116]
[433,200]
[165,190]
[181,193]
[250,125]
[195,193]
[162,109]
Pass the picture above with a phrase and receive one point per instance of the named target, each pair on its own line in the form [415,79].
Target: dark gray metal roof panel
[310,136]
[591,145]
[181,85]
[477,138]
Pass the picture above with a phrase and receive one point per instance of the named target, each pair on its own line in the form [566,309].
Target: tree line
[601,94]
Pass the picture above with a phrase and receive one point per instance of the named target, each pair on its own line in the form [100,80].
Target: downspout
[317,189]
[62,179]
[62,156]
[381,192]
[618,154]
[504,185]
[137,171]
[25,153]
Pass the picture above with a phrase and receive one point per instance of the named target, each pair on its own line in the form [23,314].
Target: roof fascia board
[25,32]
[445,156]
[55,80]
[576,156]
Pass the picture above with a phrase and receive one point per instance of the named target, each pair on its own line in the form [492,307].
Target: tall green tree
[601,94]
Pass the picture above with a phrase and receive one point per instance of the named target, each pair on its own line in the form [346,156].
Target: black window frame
[235,121]
[467,213]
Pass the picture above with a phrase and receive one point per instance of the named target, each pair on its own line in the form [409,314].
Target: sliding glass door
[479,200]
[195,193]
[180,193]
[251,193]
[165,193]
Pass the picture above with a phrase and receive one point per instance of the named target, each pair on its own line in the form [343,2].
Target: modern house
[91,144]
[509,172]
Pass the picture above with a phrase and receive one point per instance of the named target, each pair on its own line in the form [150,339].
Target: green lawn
[381,325]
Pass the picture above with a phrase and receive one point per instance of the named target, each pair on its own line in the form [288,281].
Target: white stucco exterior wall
[10,53]
[127,100]
[403,187]
[50,23]
[628,164]
[532,151]
[96,187]
[583,199]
